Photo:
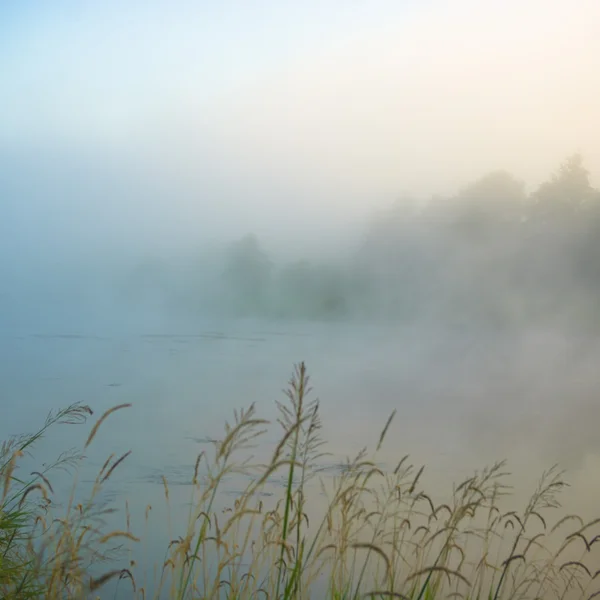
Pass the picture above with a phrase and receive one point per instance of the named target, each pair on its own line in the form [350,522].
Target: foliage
[488,206]
[378,535]
[43,555]
[312,291]
[489,255]
[247,276]
[493,255]
[566,192]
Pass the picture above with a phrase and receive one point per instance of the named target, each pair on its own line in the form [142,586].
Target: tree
[247,275]
[565,193]
[488,205]
[312,291]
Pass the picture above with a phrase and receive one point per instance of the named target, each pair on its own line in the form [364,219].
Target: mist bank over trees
[491,253]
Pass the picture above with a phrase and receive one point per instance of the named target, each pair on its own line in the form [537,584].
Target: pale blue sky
[93,64]
[270,115]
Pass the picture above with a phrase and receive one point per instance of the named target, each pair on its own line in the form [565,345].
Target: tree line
[490,253]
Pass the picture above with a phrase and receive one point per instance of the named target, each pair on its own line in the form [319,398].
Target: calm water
[464,398]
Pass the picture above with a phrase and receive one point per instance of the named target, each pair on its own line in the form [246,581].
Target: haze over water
[197,196]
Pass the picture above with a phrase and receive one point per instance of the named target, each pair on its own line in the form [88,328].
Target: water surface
[464,398]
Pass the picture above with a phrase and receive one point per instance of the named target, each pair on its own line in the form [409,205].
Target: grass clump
[366,532]
[48,550]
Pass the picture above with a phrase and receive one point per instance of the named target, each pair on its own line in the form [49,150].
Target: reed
[377,534]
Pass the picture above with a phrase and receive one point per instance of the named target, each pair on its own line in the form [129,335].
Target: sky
[161,119]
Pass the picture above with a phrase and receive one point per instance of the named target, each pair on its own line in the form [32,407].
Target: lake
[464,398]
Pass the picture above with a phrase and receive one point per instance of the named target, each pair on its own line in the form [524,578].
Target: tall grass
[373,533]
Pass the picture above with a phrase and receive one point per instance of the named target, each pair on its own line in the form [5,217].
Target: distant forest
[491,253]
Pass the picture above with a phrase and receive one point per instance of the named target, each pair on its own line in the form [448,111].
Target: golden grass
[378,535]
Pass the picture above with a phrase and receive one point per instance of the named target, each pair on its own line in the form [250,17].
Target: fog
[403,194]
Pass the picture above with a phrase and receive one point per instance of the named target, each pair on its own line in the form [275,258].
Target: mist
[405,195]
[178,130]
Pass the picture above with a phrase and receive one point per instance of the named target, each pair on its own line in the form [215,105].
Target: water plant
[367,531]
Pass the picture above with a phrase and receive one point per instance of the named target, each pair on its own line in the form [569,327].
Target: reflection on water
[464,399]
